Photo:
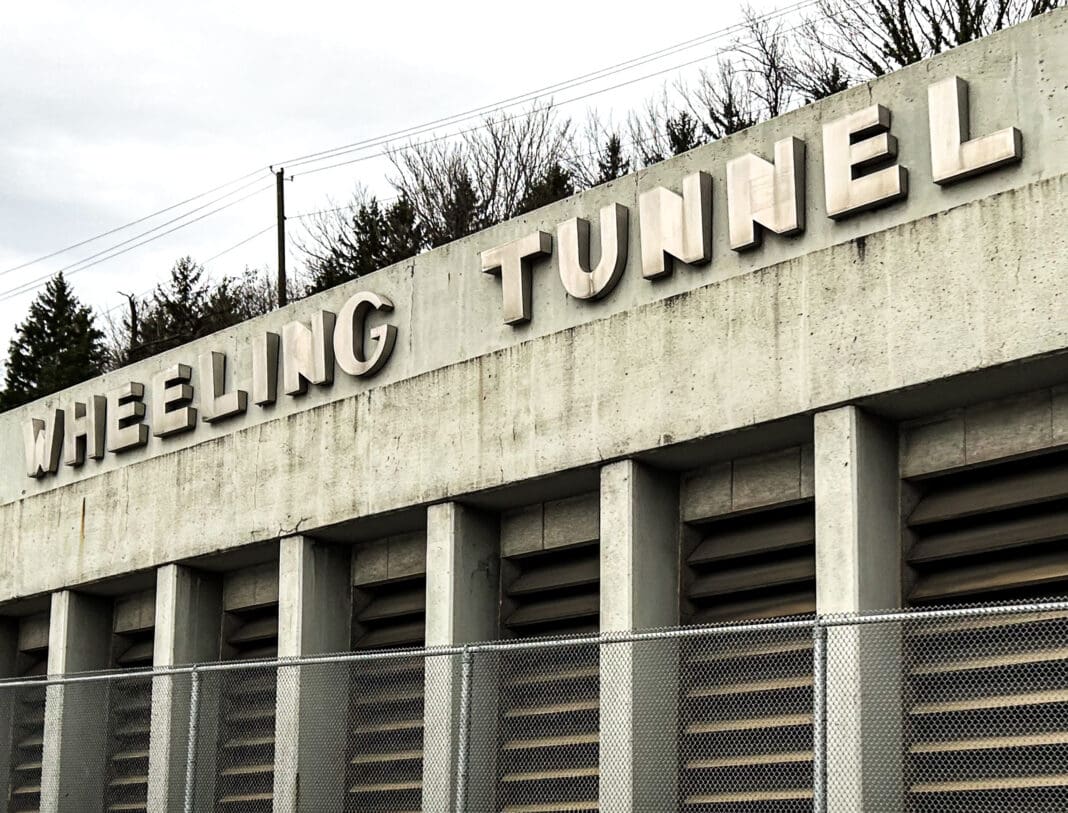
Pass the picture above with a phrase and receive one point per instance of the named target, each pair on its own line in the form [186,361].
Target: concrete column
[9,640]
[188,622]
[314,618]
[639,590]
[462,584]
[858,569]
[75,731]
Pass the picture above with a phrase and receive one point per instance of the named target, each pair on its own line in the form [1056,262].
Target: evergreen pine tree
[56,347]
[461,213]
[554,184]
[611,164]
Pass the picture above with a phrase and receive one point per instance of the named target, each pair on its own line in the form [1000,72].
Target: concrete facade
[835,370]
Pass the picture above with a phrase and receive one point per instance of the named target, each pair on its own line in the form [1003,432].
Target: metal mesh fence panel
[535,725]
[22,740]
[745,716]
[956,710]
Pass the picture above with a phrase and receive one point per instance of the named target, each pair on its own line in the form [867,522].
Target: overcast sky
[110,111]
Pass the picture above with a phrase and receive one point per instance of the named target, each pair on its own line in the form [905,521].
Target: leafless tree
[872,38]
[322,232]
[500,160]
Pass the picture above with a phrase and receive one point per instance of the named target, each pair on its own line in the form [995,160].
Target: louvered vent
[129,719]
[746,702]
[386,744]
[550,709]
[988,699]
[246,721]
[27,734]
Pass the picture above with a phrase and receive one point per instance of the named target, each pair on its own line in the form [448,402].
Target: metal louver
[745,707]
[986,698]
[27,735]
[385,771]
[549,720]
[129,719]
[245,779]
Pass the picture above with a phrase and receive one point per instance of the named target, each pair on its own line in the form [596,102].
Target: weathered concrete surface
[953,280]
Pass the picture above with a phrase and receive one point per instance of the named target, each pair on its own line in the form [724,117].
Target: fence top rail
[604,639]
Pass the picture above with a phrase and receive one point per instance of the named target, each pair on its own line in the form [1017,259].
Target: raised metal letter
[573,238]
[172,398]
[348,335]
[675,227]
[215,403]
[265,368]
[760,193]
[308,353]
[126,415]
[43,443]
[85,435]
[851,146]
[953,156]
[512,262]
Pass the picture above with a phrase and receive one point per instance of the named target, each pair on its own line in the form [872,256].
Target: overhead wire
[125,226]
[135,242]
[525,113]
[534,95]
[35,283]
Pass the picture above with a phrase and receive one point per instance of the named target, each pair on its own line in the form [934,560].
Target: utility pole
[280,194]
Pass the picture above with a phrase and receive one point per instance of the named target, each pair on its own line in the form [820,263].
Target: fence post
[819,717]
[463,735]
[191,742]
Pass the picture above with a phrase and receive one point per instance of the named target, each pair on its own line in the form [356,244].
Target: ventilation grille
[246,721]
[550,706]
[129,718]
[385,772]
[988,698]
[27,735]
[745,710]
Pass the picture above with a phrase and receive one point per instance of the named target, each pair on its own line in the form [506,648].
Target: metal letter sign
[851,147]
[860,173]
[953,156]
[512,262]
[573,237]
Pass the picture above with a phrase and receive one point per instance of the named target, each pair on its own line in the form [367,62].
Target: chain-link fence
[940,710]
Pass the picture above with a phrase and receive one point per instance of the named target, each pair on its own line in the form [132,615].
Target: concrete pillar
[858,569]
[462,584]
[188,622]
[639,590]
[314,618]
[75,731]
[9,640]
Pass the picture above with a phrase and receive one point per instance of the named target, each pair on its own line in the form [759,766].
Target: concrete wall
[953,280]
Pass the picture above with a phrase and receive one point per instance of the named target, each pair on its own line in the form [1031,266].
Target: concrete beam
[858,569]
[75,731]
[639,590]
[314,618]
[462,584]
[188,622]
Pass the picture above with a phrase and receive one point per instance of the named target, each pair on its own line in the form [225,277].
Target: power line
[125,226]
[248,239]
[534,95]
[526,113]
[35,283]
[130,244]
[154,229]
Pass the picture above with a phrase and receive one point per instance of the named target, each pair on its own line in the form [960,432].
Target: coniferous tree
[555,184]
[375,239]
[460,216]
[185,308]
[56,347]
[611,163]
